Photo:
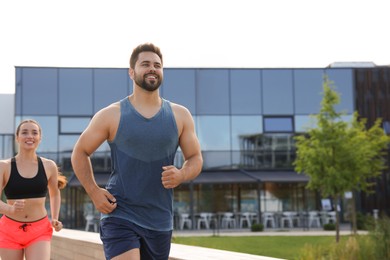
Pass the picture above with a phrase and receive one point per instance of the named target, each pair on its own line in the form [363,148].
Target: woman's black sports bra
[19,187]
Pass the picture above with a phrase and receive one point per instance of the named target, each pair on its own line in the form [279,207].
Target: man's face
[148,71]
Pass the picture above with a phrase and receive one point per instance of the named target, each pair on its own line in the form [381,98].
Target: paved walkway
[345,229]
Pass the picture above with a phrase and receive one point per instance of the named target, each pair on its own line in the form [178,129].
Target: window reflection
[304,123]
[214,133]
[343,80]
[179,87]
[110,85]
[245,87]
[73,125]
[75,91]
[219,159]
[262,151]
[6,146]
[277,92]
[245,125]
[278,124]
[40,86]
[308,83]
[213,88]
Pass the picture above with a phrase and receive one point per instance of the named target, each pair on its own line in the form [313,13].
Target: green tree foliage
[340,156]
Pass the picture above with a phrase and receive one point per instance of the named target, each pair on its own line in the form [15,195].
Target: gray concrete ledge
[71,244]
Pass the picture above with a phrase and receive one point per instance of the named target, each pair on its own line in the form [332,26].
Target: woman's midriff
[34,209]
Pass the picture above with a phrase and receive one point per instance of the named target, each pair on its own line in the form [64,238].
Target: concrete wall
[81,245]
[7,114]
[76,245]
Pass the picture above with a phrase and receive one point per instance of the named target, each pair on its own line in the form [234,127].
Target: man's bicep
[189,142]
[92,137]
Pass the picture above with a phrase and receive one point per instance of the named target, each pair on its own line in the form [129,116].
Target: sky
[192,34]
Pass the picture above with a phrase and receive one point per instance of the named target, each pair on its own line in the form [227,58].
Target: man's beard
[142,82]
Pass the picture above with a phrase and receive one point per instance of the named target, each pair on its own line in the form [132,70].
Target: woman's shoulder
[49,163]
[5,162]
[5,166]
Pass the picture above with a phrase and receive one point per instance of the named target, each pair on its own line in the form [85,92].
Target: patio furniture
[227,220]
[330,217]
[247,218]
[185,220]
[204,220]
[314,218]
[269,218]
[91,221]
[287,218]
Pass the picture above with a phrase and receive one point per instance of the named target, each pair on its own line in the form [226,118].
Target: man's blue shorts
[119,236]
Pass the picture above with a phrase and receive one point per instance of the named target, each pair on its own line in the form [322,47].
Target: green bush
[375,245]
[364,222]
[257,227]
[380,235]
[329,226]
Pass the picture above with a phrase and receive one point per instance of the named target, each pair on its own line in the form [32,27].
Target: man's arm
[189,144]
[94,135]
[190,147]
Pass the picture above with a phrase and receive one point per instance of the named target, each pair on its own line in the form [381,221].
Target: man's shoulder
[113,107]
[178,107]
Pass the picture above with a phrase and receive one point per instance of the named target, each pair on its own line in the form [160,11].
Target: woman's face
[29,136]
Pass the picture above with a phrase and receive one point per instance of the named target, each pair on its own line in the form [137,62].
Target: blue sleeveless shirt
[141,147]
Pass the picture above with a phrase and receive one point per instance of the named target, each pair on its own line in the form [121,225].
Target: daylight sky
[192,34]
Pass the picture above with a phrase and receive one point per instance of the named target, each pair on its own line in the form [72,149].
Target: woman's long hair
[62,181]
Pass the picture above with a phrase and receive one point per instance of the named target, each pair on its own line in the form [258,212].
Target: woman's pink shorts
[18,235]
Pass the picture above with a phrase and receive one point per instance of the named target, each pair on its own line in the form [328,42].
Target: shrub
[257,227]
[329,226]
[380,235]
[364,222]
[375,245]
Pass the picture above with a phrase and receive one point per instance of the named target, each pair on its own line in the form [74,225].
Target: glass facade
[244,118]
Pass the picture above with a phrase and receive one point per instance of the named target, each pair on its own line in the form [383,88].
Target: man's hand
[171,177]
[103,200]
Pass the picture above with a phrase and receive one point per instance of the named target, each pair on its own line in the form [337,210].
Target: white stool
[91,221]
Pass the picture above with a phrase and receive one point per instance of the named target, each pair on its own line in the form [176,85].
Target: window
[278,124]
[73,125]
[75,88]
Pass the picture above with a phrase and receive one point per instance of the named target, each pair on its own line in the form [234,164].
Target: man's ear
[131,73]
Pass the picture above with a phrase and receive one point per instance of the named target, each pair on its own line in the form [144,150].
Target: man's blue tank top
[142,146]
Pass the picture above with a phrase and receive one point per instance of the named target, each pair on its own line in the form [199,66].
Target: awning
[101,179]
[222,177]
[219,177]
[277,176]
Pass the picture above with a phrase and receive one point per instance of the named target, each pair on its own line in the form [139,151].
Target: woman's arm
[54,194]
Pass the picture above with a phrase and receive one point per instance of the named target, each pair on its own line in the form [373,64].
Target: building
[246,120]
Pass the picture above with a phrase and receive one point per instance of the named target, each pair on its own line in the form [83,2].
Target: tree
[339,156]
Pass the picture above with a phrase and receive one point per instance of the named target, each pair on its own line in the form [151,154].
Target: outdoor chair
[184,220]
[269,218]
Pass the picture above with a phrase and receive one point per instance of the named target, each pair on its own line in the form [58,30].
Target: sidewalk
[345,229]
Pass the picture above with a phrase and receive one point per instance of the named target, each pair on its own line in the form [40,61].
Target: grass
[285,247]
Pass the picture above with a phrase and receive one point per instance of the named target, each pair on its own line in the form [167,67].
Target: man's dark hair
[143,48]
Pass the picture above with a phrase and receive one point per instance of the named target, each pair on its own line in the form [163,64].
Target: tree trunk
[353,214]
[335,205]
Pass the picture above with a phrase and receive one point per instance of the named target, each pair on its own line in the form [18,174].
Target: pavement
[345,229]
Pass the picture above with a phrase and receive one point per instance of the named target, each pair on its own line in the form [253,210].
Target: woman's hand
[56,224]
[17,206]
